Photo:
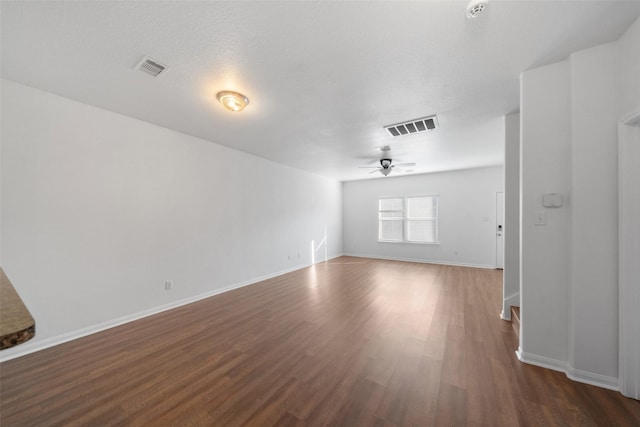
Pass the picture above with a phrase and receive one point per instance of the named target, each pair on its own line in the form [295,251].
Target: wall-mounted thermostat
[552,200]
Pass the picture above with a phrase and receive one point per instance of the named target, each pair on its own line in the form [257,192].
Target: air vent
[151,67]
[413,126]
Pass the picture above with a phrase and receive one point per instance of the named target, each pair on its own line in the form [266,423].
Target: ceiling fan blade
[369,167]
[368,161]
[405,164]
[374,171]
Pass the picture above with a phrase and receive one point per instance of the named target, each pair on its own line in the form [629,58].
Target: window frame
[405,219]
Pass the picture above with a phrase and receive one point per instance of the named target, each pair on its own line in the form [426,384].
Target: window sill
[405,241]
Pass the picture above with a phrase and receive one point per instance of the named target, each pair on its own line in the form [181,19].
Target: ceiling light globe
[233,101]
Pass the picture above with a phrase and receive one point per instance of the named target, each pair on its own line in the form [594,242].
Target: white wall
[467,215]
[594,235]
[99,209]
[569,277]
[545,168]
[511,276]
[629,212]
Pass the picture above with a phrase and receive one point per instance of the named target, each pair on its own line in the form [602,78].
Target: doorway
[499,230]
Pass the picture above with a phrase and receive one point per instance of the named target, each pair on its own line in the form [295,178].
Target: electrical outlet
[168,285]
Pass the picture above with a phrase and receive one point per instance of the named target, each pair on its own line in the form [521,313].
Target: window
[408,219]
[391,216]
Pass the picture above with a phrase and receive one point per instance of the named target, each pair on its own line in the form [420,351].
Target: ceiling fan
[386,167]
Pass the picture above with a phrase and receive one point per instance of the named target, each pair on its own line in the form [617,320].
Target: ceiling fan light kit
[386,167]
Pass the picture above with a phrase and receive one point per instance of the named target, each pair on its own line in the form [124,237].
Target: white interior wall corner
[545,249]
[594,263]
[511,277]
[100,209]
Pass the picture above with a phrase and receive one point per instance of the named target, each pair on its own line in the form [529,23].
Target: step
[515,319]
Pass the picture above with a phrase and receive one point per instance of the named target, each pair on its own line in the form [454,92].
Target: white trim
[631,119]
[506,305]
[519,354]
[28,347]
[578,375]
[423,261]
[592,378]
[502,218]
[628,231]
[409,241]
[542,361]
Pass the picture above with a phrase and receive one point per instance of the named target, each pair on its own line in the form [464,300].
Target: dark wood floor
[353,342]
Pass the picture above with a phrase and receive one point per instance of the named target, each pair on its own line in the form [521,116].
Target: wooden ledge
[16,323]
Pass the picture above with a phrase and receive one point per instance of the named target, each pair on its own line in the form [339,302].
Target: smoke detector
[151,67]
[476,7]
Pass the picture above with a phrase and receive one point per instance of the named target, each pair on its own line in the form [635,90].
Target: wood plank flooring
[351,342]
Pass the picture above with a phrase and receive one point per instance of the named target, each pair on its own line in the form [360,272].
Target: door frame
[499,229]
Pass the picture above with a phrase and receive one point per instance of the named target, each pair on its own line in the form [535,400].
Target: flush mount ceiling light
[232,101]
[475,8]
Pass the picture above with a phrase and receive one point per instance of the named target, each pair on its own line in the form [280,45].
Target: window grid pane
[394,204]
[391,230]
[421,207]
[423,231]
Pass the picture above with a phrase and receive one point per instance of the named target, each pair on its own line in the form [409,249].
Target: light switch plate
[540,217]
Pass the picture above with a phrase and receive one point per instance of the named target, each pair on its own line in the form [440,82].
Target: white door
[500,231]
[629,254]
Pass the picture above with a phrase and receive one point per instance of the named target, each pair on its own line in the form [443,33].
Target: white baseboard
[423,261]
[542,361]
[32,347]
[579,375]
[594,379]
[519,354]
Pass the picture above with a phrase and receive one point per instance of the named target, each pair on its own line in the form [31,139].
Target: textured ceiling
[323,77]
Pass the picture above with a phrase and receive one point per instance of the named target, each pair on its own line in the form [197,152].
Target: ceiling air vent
[151,67]
[413,126]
